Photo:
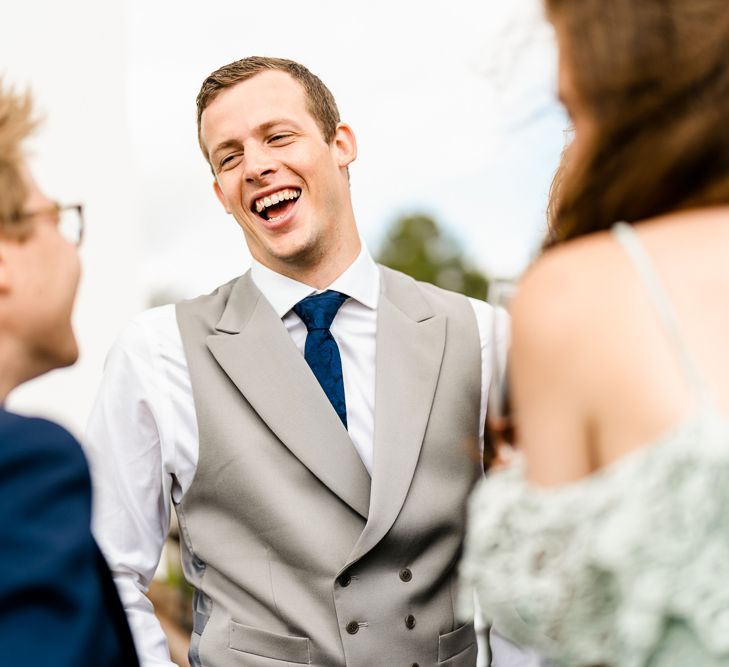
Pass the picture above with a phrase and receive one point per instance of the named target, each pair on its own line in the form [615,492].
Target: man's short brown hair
[320,101]
[16,123]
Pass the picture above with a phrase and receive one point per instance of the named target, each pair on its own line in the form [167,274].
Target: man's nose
[259,163]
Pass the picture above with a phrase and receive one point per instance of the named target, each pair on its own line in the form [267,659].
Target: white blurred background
[452,103]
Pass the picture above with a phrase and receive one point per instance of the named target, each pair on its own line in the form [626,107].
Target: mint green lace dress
[628,567]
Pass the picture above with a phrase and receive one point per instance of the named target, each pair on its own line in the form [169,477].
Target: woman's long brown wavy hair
[654,75]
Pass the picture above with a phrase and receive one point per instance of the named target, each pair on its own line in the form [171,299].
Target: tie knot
[318,310]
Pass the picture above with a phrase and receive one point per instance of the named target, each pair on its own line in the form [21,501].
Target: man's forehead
[260,92]
[266,98]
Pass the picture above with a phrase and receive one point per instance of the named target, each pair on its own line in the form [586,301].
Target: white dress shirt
[142,437]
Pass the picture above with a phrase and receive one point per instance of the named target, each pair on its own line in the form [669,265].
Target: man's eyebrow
[263,127]
[224,145]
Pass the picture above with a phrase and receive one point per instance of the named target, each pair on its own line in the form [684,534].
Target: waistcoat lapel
[410,345]
[254,349]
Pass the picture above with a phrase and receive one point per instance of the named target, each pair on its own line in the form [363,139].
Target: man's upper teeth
[276,198]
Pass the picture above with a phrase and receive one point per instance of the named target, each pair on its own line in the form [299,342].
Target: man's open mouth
[276,205]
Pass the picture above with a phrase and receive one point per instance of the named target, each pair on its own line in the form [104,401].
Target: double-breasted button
[353,627]
[410,621]
[406,575]
[345,580]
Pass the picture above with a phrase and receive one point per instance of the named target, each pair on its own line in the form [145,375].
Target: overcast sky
[452,104]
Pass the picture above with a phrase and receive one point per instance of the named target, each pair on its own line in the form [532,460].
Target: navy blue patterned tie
[321,351]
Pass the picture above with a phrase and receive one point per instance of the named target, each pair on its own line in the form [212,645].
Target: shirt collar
[361,281]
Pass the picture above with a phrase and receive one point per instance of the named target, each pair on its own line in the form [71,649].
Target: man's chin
[66,355]
[70,359]
[303,253]
[42,360]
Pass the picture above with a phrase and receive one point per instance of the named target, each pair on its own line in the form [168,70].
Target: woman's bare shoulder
[557,343]
[568,286]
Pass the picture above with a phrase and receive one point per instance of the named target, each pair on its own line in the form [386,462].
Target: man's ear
[345,145]
[221,197]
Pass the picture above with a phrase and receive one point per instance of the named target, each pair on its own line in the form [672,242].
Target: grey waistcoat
[296,555]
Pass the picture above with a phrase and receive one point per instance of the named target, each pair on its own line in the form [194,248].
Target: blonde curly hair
[16,123]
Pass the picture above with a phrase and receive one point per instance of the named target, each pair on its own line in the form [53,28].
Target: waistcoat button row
[406,575]
[410,621]
[353,627]
[345,580]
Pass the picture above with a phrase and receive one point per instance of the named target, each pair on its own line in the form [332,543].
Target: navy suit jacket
[58,603]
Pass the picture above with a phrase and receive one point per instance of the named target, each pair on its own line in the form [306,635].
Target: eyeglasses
[69,219]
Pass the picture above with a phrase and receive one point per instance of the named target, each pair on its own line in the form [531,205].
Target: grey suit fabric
[296,555]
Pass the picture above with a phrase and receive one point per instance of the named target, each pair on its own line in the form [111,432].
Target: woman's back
[609,545]
[597,373]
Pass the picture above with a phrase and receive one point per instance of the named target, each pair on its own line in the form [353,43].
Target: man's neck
[12,369]
[320,274]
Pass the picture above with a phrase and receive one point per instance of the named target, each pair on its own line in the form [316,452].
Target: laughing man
[312,422]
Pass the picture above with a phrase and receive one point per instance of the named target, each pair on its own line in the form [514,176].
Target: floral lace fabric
[628,567]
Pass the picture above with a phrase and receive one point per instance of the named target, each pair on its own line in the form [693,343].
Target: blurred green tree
[416,245]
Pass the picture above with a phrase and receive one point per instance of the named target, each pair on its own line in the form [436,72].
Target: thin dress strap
[628,238]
